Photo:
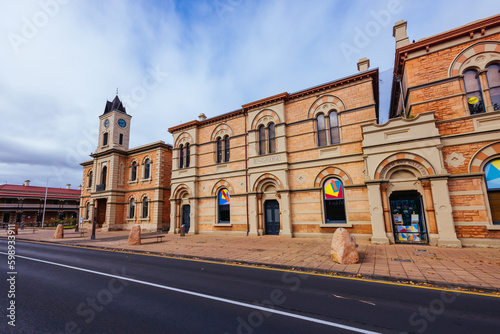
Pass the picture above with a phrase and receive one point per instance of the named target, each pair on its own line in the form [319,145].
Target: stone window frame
[131,200]
[87,211]
[131,166]
[183,140]
[105,139]
[147,159]
[264,144]
[148,201]
[486,190]
[328,128]
[323,203]
[90,176]
[218,222]
[216,189]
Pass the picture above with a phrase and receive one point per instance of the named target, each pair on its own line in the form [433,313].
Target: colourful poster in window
[333,189]
[223,197]
[492,172]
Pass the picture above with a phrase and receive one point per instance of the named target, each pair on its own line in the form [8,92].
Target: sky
[61,60]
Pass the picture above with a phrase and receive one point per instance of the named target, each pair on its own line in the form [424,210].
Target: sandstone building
[122,186]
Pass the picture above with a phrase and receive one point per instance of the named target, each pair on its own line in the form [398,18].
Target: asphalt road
[60,289]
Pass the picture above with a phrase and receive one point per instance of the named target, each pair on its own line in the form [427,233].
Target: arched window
[181,158]
[131,213]
[188,155]
[133,175]
[219,150]
[334,128]
[492,172]
[145,206]
[272,138]
[262,140]
[321,127]
[473,92]
[226,148]
[333,197]
[224,207]
[89,184]
[147,169]
[87,211]
[493,76]
[105,139]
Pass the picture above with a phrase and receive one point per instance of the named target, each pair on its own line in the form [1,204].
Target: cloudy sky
[60,60]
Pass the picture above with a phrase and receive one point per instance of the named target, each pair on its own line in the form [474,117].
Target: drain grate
[424,252]
[401,260]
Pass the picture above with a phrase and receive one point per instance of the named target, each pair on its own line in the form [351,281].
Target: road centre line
[202,295]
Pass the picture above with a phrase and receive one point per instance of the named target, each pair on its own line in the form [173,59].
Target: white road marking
[202,295]
[356,300]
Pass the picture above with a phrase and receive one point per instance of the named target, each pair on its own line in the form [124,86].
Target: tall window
[321,127]
[473,92]
[219,150]
[334,128]
[224,206]
[105,139]
[262,140]
[333,196]
[145,206]
[272,138]
[133,175]
[104,176]
[181,156]
[87,211]
[131,213]
[226,148]
[493,76]
[188,154]
[147,169]
[492,172]
[89,184]
[121,139]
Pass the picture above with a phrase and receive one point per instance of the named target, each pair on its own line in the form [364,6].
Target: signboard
[334,189]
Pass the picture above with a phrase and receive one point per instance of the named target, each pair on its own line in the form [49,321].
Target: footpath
[475,269]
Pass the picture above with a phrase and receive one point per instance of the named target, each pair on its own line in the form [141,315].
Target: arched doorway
[272,217]
[186,220]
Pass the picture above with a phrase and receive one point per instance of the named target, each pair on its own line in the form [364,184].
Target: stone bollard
[134,237]
[59,234]
[344,247]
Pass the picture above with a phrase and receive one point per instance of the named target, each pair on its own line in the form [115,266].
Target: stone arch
[222,184]
[145,195]
[325,104]
[131,197]
[482,156]
[145,158]
[404,159]
[221,131]
[477,56]
[134,160]
[264,117]
[265,178]
[183,139]
[331,172]
[181,189]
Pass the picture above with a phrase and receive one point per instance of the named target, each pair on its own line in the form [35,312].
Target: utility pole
[45,202]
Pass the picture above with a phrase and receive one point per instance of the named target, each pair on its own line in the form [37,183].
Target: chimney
[27,183]
[399,32]
[363,64]
[68,186]
[80,187]
[202,117]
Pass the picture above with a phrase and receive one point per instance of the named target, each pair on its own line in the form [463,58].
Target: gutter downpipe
[246,169]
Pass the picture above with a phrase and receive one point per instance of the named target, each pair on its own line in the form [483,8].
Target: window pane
[145,207]
[262,140]
[475,103]
[181,158]
[471,81]
[334,128]
[321,127]
[272,138]
[224,206]
[495,98]
[219,150]
[121,139]
[188,155]
[226,149]
[105,139]
[493,75]
[134,171]
[492,171]
[333,192]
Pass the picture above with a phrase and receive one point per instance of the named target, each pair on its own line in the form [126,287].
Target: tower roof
[115,105]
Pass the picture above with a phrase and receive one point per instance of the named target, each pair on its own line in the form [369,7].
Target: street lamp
[93,224]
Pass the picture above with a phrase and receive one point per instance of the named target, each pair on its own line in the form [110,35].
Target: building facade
[306,163]
[123,187]
[24,205]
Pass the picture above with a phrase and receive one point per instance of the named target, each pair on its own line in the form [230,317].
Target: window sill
[146,180]
[224,224]
[493,227]
[132,183]
[129,219]
[144,219]
[346,224]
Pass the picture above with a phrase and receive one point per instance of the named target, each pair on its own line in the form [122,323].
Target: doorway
[101,212]
[408,221]
[272,217]
[186,211]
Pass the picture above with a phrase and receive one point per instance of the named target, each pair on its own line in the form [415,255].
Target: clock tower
[114,127]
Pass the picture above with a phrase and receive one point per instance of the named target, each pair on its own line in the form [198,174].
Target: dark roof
[34,191]
[115,105]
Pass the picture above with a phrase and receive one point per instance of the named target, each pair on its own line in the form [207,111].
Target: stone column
[386,207]
[173,216]
[260,215]
[444,215]
[379,235]
[286,220]
[429,207]
[193,217]
[253,214]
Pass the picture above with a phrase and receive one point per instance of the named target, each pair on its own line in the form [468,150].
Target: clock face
[122,123]
[106,123]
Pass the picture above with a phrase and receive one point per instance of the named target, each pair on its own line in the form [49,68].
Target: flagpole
[45,202]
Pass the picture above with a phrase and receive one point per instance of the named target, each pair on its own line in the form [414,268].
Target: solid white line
[197,294]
